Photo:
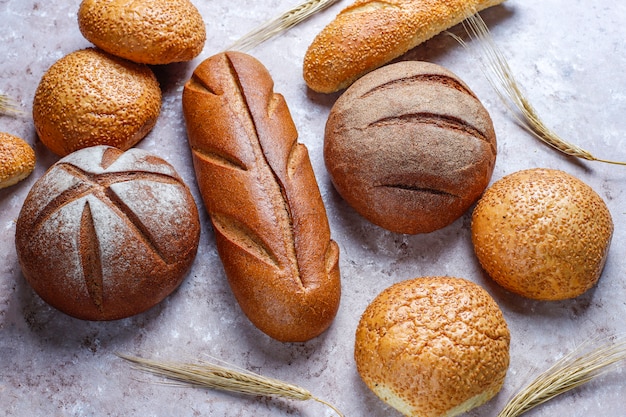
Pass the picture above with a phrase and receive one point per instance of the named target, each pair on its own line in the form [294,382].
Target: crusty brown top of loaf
[368,34]
[106,234]
[410,146]
[261,193]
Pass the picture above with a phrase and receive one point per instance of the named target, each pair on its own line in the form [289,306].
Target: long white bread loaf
[368,34]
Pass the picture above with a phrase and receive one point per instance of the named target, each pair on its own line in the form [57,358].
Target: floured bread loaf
[410,147]
[106,234]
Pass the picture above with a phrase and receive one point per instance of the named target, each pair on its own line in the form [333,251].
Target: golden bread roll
[260,191]
[433,346]
[148,32]
[106,234]
[90,97]
[17,160]
[369,33]
[410,147]
[542,234]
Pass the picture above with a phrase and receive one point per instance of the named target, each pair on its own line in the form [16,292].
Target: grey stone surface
[569,57]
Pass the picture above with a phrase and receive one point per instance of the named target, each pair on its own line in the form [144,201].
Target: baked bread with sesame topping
[370,33]
[433,346]
[152,32]
[90,97]
[17,160]
[542,233]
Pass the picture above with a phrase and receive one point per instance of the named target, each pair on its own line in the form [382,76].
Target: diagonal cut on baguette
[369,34]
[258,186]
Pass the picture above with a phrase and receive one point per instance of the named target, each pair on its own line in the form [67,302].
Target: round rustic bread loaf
[410,147]
[433,346]
[17,159]
[148,32]
[542,233]
[90,98]
[106,234]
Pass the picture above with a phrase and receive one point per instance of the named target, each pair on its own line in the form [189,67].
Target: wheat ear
[8,105]
[584,364]
[500,76]
[213,376]
[280,24]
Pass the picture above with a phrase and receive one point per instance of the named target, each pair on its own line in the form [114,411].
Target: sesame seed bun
[149,32]
[90,98]
[542,233]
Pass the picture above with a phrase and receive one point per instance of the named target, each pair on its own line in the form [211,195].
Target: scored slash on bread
[260,191]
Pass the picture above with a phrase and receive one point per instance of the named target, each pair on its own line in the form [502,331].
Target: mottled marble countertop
[568,55]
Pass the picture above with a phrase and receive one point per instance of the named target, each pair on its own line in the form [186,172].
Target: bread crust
[106,234]
[152,32]
[370,33]
[433,346]
[260,191]
[90,97]
[17,160]
[542,233]
[410,147]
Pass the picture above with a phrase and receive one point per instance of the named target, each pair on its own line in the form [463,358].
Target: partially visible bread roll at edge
[260,191]
[17,160]
[370,33]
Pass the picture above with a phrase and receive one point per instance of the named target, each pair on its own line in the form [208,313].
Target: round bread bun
[17,160]
[148,32]
[410,147]
[90,98]
[433,346]
[542,233]
[106,234]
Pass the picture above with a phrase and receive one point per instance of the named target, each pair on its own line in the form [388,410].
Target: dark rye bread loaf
[106,234]
[260,191]
[410,147]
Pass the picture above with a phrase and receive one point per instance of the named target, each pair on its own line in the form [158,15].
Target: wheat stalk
[8,105]
[500,76]
[280,24]
[208,375]
[584,364]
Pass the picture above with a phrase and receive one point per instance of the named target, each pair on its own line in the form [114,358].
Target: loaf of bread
[260,191]
[370,33]
[433,346]
[17,159]
[410,147]
[106,234]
